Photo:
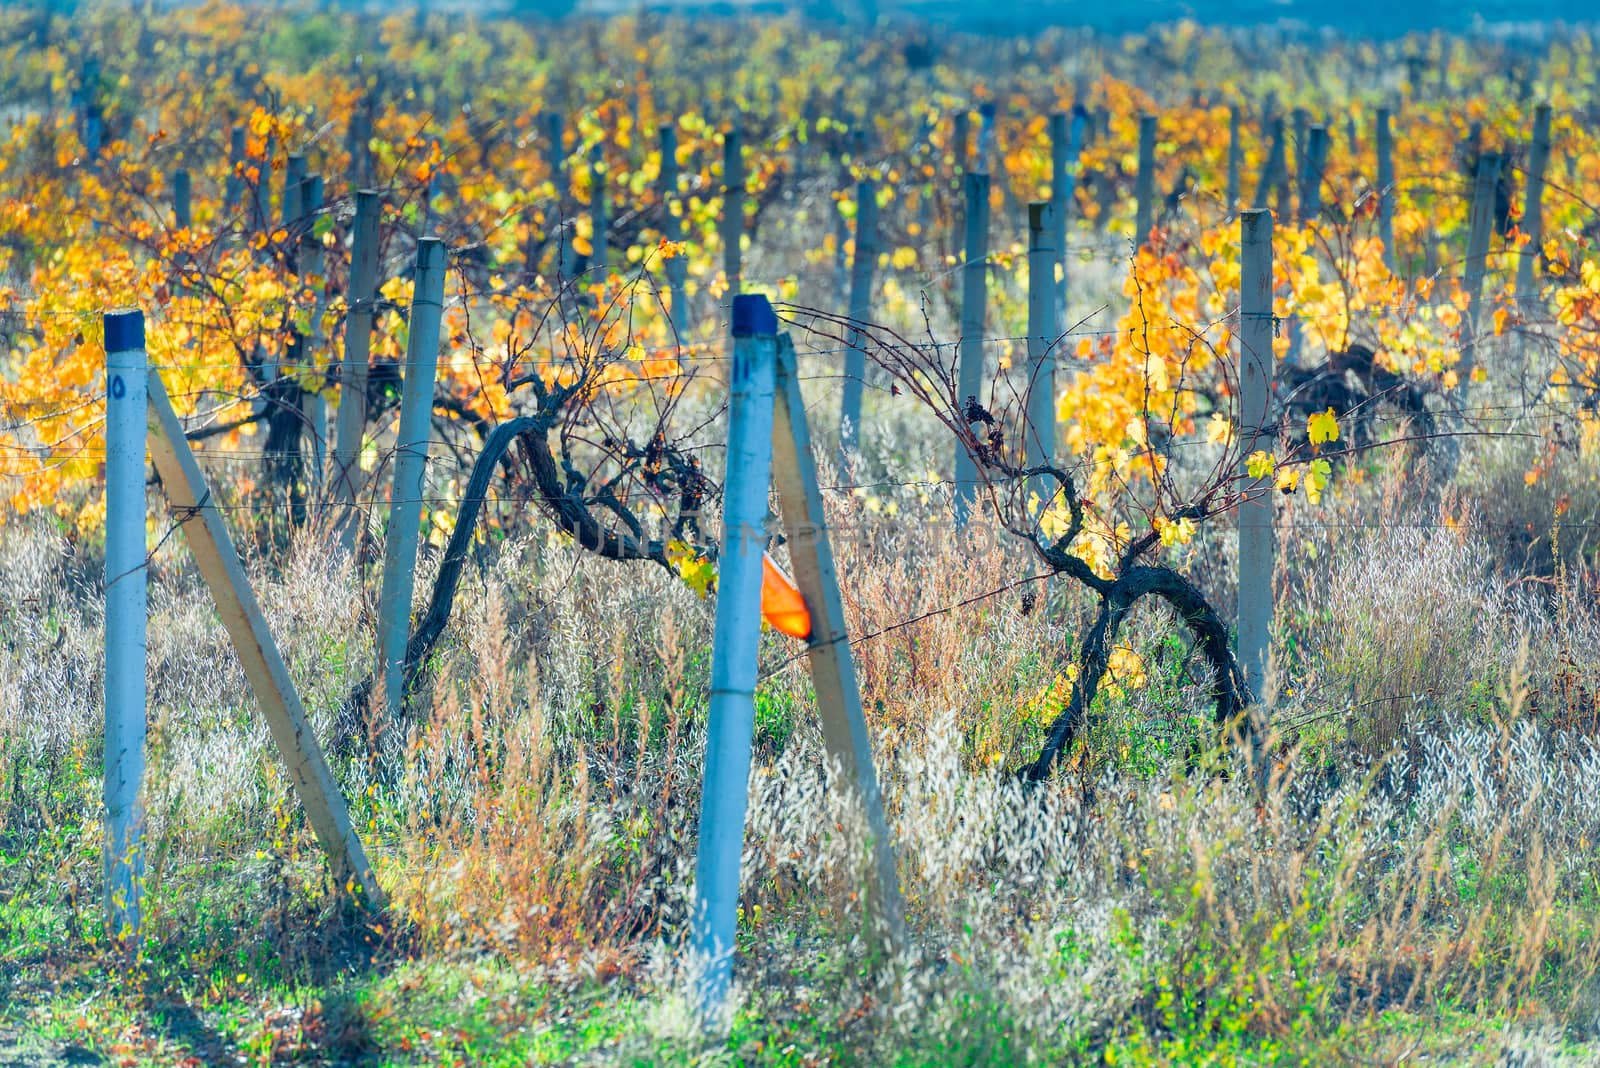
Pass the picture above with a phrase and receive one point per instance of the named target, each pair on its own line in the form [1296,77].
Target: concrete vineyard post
[732,208]
[1044,328]
[126,620]
[961,127]
[1385,149]
[1257,540]
[833,673]
[1532,222]
[974,299]
[294,175]
[1060,157]
[182,188]
[862,264]
[311,265]
[1309,205]
[191,503]
[599,217]
[352,419]
[1145,182]
[736,637]
[1480,225]
[232,183]
[983,160]
[672,225]
[1235,159]
[410,469]
[1272,168]
[1299,119]
[1312,165]
[1066,145]
[556,157]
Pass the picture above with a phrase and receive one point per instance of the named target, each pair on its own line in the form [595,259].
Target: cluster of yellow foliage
[466,154]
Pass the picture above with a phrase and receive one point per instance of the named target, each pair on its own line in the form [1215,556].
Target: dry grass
[1430,858]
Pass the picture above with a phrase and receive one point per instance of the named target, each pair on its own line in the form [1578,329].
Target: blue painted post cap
[125,330]
[753,316]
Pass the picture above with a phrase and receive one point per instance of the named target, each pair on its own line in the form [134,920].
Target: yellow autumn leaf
[1316,480]
[696,571]
[1219,431]
[1260,464]
[1323,427]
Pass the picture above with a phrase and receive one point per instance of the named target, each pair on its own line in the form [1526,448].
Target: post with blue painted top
[126,378]
[735,640]
[410,469]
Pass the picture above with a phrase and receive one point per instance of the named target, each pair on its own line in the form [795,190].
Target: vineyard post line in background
[138,404]
[769,442]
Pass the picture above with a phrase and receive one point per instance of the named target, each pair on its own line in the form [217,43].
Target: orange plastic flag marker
[781,603]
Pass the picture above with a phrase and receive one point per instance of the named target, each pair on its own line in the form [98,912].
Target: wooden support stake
[1532,222]
[191,503]
[1257,540]
[1145,182]
[410,469]
[126,622]
[735,640]
[862,265]
[833,673]
[974,300]
[352,418]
